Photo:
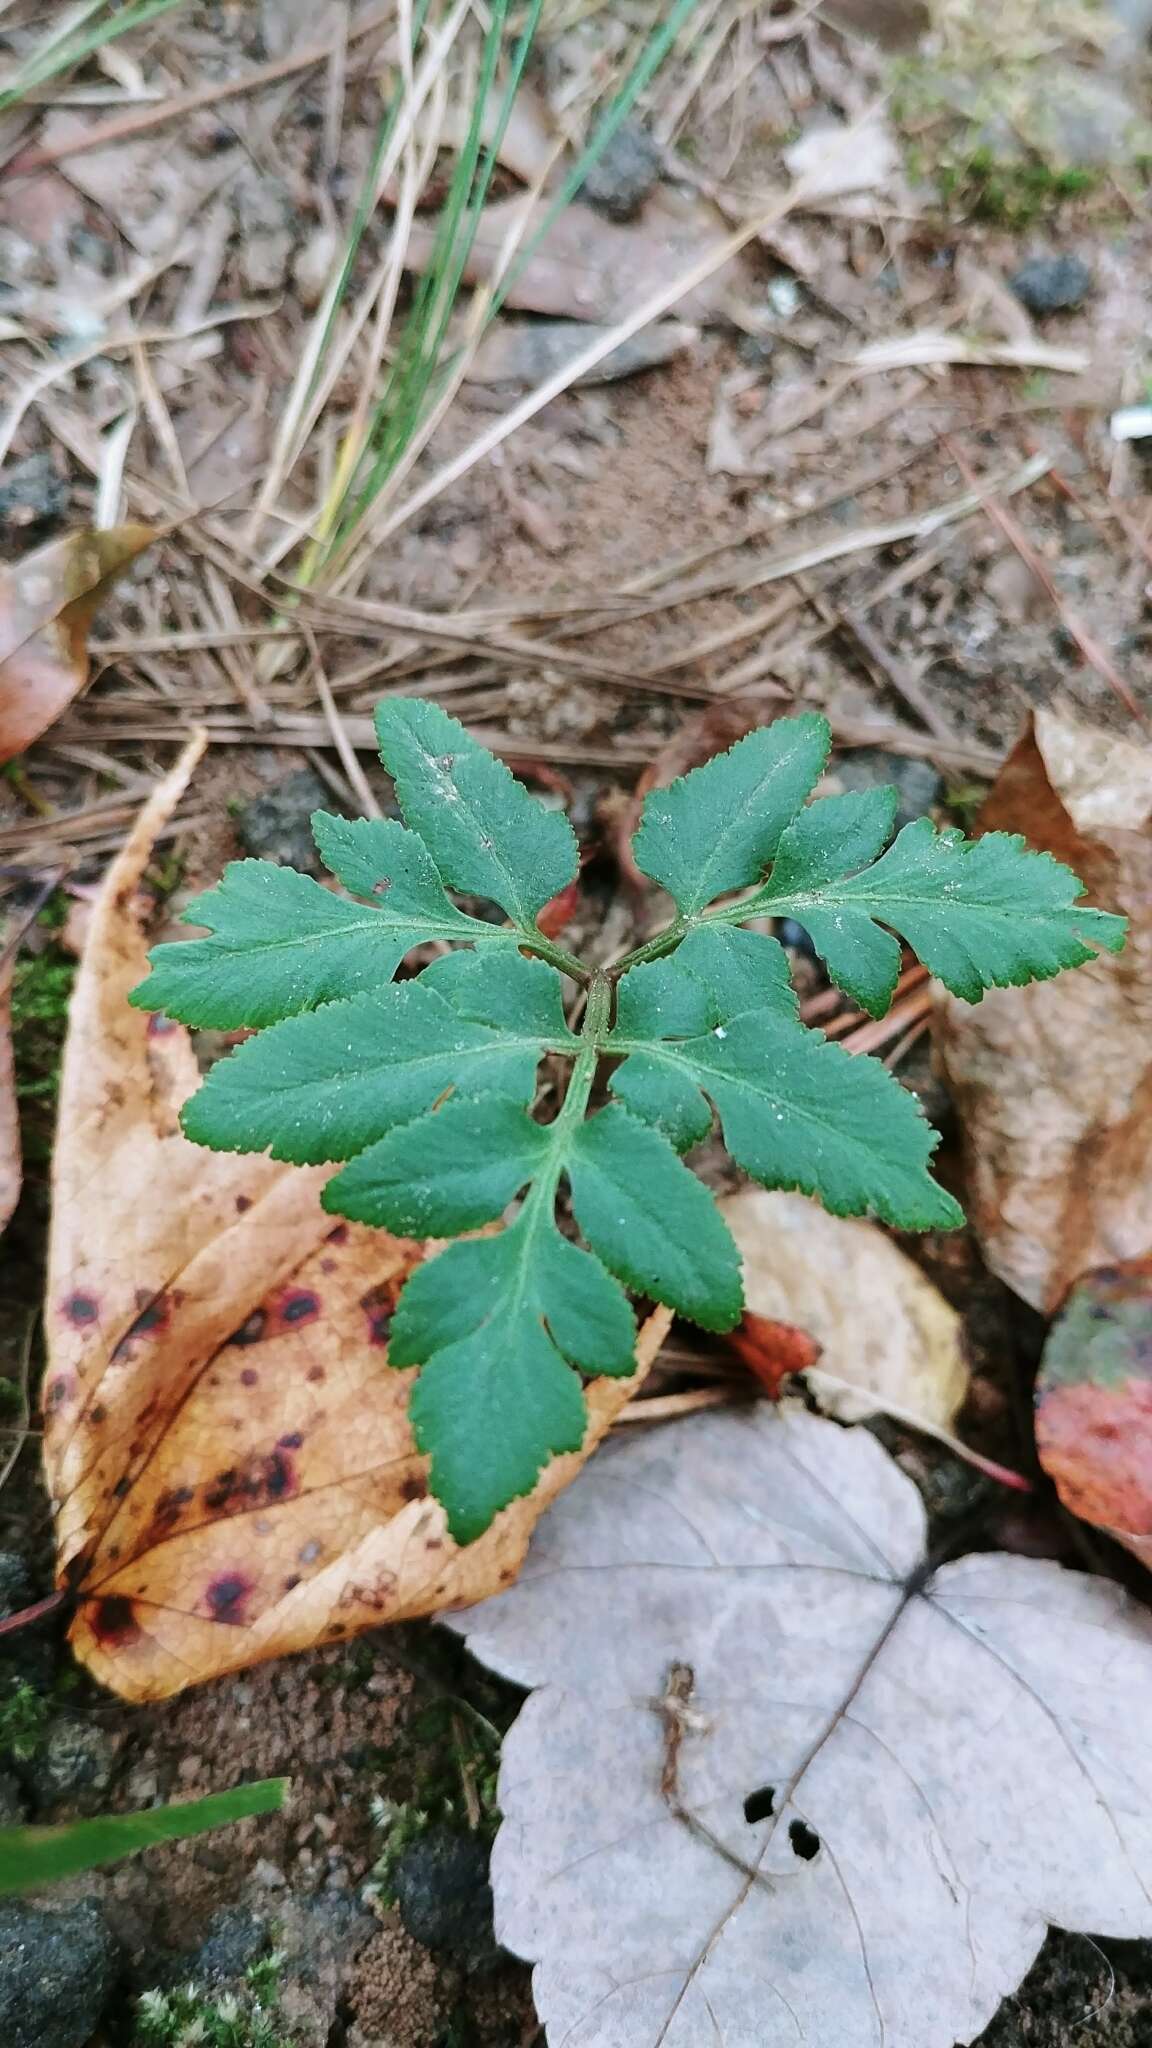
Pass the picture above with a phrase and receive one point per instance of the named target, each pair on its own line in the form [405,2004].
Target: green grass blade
[63,51]
[31,1857]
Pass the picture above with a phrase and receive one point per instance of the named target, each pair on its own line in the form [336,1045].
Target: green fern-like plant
[423,1089]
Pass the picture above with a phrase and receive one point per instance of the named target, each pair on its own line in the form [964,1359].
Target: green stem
[567,963]
[761,903]
[655,948]
[540,1202]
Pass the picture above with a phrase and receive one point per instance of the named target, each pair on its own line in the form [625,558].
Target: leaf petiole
[566,963]
[597,1015]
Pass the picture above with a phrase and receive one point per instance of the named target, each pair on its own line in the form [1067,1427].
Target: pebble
[75,1763]
[1052,284]
[58,1969]
[32,495]
[445,1899]
[269,1875]
[236,1938]
[917,783]
[624,173]
[276,825]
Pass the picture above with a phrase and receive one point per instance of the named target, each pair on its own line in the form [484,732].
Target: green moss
[191,2018]
[24,1717]
[41,991]
[980,185]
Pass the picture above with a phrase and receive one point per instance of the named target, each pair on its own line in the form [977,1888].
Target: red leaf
[1094,1403]
[772,1351]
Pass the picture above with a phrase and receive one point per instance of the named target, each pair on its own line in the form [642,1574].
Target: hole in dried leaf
[805,1841]
[760,1805]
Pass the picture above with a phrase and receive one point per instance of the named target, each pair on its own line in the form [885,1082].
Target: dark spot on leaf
[760,1805]
[805,1841]
[414,1488]
[58,1390]
[170,1507]
[280,1477]
[225,1597]
[252,1329]
[316,1372]
[249,1377]
[81,1309]
[159,1025]
[122,1487]
[293,1579]
[243,1202]
[114,1622]
[98,1414]
[435,1543]
[156,1314]
[301,1308]
[379,1306]
[328,1265]
[339,1235]
[256,1483]
[291,1442]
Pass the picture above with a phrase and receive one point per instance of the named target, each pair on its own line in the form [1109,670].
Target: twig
[108,132]
[1093,654]
[27,1615]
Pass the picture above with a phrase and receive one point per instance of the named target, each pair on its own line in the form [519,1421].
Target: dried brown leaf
[785,1783]
[1053,1083]
[47,602]
[877,1322]
[228,1455]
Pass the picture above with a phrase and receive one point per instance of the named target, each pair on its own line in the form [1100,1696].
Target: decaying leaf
[878,1322]
[772,1351]
[1094,1403]
[779,1784]
[46,606]
[1053,1084]
[588,268]
[228,1456]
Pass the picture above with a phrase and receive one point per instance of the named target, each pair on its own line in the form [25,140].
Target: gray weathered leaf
[948,1765]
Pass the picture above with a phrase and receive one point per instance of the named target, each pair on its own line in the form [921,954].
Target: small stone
[445,1899]
[269,1875]
[1052,284]
[33,494]
[235,1940]
[74,1763]
[917,784]
[57,1973]
[276,825]
[624,173]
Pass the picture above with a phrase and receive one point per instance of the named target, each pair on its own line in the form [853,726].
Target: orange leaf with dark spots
[228,1453]
[1094,1403]
[47,603]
